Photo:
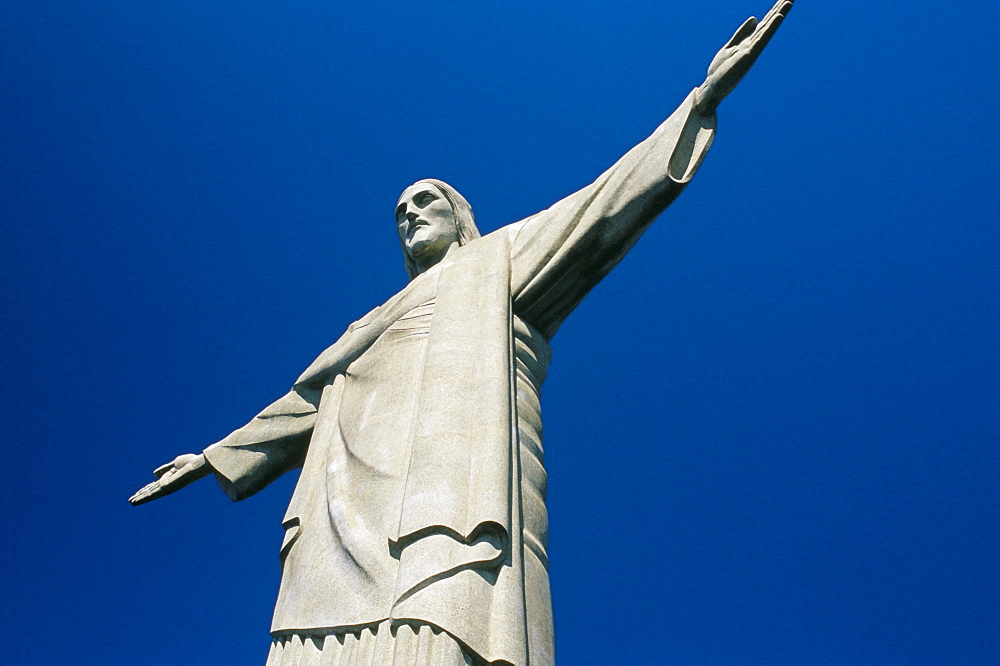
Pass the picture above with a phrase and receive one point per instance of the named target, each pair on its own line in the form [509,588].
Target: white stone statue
[417,532]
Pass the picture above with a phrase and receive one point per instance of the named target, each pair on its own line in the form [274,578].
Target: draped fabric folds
[421,502]
[407,645]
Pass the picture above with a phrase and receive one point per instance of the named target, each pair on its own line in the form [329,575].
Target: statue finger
[765,34]
[742,33]
[780,7]
[143,493]
[163,469]
[139,498]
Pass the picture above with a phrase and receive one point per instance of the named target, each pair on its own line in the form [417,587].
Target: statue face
[425,222]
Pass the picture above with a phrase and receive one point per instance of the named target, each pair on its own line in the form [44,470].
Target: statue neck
[426,263]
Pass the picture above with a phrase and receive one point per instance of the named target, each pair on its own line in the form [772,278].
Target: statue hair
[465,221]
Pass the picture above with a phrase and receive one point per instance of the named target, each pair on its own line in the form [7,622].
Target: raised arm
[560,254]
[273,443]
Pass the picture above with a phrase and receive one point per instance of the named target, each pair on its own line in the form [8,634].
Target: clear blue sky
[771,433]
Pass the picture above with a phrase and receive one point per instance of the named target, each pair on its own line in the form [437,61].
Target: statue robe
[422,494]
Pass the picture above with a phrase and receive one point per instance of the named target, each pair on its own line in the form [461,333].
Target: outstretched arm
[273,443]
[560,254]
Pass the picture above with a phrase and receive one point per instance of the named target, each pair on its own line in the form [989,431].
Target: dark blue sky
[772,432]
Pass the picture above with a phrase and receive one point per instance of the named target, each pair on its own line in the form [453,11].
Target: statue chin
[417,249]
[428,251]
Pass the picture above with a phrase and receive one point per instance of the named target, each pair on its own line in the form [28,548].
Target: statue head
[431,218]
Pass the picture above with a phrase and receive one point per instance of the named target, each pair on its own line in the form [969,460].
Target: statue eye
[426,198]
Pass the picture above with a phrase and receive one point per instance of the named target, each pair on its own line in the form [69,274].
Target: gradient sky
[771,432]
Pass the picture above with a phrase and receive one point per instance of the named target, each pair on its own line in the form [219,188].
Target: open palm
[173,476]
[736,58]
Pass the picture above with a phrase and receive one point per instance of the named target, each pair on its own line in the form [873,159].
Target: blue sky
[771,432]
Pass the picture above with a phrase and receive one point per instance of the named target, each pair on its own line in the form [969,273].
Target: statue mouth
[416,224]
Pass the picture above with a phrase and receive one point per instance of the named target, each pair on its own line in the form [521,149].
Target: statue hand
[737,57]
[173,476]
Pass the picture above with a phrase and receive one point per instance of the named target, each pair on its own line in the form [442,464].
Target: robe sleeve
[273,443]
[561,253]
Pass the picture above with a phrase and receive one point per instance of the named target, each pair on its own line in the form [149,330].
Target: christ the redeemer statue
[417,532]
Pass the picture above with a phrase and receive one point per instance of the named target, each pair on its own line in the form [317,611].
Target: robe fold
[422,492]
